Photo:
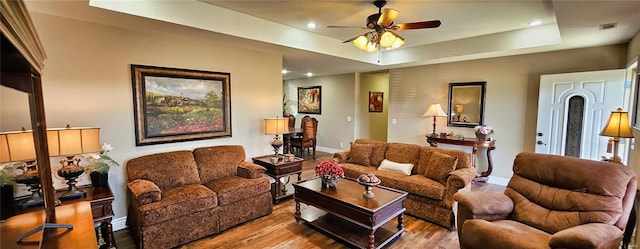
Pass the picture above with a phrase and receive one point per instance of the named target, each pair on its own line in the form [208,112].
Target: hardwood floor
[280,230]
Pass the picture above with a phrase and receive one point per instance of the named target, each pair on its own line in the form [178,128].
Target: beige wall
[373,125]
[511,95]
[337,105]
[87,82]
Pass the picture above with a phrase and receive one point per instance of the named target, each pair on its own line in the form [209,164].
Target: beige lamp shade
[73,141]
[17,146]
[618,125]
[276,126]
[459,108]
[434,110]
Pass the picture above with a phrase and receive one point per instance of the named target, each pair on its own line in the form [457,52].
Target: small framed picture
[376,100]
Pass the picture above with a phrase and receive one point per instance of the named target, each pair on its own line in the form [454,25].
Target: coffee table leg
[372,239]
[300,176]
[298,210]
[400,225]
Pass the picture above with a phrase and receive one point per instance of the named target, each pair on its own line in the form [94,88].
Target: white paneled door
[573,108]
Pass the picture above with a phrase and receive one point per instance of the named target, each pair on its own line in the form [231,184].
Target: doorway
[572,109]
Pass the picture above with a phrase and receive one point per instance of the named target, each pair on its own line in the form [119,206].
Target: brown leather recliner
[550,202]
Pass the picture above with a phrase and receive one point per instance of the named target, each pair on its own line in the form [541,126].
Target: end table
[278,170]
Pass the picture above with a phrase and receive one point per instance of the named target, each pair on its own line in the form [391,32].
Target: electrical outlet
[341,145]
[348,118]
[394,121]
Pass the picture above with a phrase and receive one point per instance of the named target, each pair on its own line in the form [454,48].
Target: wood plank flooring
[280,230]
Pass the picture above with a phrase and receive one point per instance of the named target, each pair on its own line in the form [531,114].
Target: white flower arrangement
[483,129]
[7,176]
[100,163]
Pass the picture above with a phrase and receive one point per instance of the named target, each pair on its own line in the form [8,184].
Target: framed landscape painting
[309,100]
[376,99]
[172,105]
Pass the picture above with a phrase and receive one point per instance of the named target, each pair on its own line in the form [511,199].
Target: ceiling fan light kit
[382,35]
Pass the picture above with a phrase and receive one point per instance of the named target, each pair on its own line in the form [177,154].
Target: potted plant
[98,170]
[329,171]
[7,181]
[483,132]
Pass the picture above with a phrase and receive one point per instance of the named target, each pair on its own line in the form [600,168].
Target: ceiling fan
[383,29]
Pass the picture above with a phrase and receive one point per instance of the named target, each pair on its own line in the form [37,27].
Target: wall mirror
[466,104]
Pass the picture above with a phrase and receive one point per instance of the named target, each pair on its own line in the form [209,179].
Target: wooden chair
[308,139]
[292,121]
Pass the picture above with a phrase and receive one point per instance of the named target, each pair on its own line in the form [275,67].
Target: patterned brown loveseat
[181,196]
[437,174]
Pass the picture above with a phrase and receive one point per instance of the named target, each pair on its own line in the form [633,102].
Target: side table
[101,210]
[471,142]
[279,170]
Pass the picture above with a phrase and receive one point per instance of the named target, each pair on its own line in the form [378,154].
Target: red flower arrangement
[329,169]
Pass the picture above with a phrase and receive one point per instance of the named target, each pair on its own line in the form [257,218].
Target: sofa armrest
[341,157]
[250,170]
[485,203]
[460,178]
[144,191]
[591,235]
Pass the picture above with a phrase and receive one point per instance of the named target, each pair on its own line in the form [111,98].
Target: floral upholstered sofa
[181,196]
[430,175]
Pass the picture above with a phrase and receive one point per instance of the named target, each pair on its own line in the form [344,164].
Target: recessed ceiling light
[284,71]
[311,25]
[309,74]
[535,23]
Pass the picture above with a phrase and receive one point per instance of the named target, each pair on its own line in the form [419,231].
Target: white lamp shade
[361,42]
[17,146]
[617,125]
[73,141]
[434,110]
[276,126]
[397,43]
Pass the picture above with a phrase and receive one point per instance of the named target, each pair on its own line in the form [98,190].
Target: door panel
[601,92]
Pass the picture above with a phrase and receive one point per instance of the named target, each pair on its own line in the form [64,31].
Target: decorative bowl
[368,186]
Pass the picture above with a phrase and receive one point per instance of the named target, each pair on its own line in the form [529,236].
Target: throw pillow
[394,166]
[440,165]
[360,154]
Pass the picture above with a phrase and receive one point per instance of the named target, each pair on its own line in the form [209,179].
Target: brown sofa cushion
[403,153]
[507,234]
[217,162]
[440,165]
[167,170]
[145,191]
[232,189]
[360,154]
[178,202]
[423,186]
[352,170]
[379,149]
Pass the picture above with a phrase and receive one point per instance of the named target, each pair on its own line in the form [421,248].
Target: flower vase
[482,137]
[329,182]
[6,195]
[99,180]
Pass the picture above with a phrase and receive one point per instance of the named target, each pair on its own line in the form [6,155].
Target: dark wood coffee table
[344,214]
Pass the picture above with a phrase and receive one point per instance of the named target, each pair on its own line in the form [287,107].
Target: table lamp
[276,126]
[69,142]
[617,127]
[18,146]
[434,110]
[459,109]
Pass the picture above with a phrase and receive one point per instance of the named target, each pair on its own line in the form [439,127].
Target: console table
[100,200]
[470,142]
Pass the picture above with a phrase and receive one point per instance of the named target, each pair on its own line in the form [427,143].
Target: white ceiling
[469,30]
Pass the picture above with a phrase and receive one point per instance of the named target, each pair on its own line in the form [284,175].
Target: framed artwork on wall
[173,105]
[309,100]
[376,100]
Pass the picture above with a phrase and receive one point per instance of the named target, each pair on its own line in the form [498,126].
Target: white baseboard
[327,150]
[119,223]
[498,180]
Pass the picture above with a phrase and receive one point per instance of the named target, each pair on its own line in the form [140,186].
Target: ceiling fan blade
[350,27]
[417,25]
[387,17]
[356,37]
